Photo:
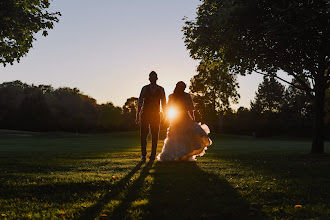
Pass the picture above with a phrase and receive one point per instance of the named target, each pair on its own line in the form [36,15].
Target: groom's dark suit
[149,100]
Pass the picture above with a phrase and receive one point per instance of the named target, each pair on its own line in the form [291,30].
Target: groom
[148,114]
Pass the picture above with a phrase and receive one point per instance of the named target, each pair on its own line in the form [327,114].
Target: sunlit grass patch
[274,178]
[141,202]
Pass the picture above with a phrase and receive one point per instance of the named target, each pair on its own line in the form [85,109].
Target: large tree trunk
[318,124]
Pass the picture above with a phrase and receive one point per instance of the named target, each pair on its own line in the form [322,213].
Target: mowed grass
[99,176]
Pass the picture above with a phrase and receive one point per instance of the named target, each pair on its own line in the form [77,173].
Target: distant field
[87,176]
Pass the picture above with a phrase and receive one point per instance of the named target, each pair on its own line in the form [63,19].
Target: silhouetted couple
[185,138]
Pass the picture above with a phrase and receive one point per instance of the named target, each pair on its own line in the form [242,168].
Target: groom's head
[153,77]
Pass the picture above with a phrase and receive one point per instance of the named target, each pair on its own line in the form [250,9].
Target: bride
[185,139]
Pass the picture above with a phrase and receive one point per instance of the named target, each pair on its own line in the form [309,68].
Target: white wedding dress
[185,138]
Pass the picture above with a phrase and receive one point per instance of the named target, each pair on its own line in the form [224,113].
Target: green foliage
[276,111]
[212,89]
[299,103]
[72,110]
[110,117]
[269,97]
[264,35]
[268,36]
[43,108]
[64,176]
[129,113]
[20,102]
[215,84]
[19,22]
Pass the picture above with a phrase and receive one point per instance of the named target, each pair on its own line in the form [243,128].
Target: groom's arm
[140,104]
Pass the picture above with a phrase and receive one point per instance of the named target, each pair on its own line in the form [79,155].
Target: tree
[267,36]
[109,117]
[241,122]
[43,108]
[129,113]
[12,95]
[19,22]
[298,106]
[23,107]
[212,89]
[72,111]
[269,97]
[33,112]
[267,106]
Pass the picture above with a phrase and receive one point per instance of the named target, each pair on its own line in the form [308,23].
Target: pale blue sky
[107,48]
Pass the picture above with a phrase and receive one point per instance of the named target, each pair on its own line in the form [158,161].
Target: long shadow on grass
[95,210]
[134,193]
[181,190]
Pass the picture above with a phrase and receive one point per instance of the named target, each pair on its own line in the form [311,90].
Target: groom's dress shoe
[143,159]
[152,158]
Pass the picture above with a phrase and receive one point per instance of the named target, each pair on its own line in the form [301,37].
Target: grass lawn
[68,176]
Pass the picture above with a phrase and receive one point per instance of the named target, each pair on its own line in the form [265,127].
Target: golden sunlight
[172,113]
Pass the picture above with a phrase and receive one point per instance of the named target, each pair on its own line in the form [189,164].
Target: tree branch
[290,83]
[305,87]
[303,83]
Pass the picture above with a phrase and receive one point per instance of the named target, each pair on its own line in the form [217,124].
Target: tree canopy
[129,112]
[263,35]
[43,108]
[269,97]
[213,88]
[298,102]
[19,22]
[267,36]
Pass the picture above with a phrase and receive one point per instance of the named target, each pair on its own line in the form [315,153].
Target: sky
[107,48]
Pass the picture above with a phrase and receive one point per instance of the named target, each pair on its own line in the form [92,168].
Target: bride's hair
[179,88]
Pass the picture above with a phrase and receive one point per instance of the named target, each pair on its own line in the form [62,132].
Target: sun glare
[172,113]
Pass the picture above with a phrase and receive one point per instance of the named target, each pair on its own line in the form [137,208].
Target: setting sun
[172,113]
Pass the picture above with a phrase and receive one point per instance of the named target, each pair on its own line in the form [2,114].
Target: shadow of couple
[170,190]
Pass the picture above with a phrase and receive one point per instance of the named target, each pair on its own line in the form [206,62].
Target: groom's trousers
[152,122]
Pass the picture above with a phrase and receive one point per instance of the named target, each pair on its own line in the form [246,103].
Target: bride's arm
[192,114]
[190,106]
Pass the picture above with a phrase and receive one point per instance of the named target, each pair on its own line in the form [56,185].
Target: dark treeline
[43,108]
[275,110]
